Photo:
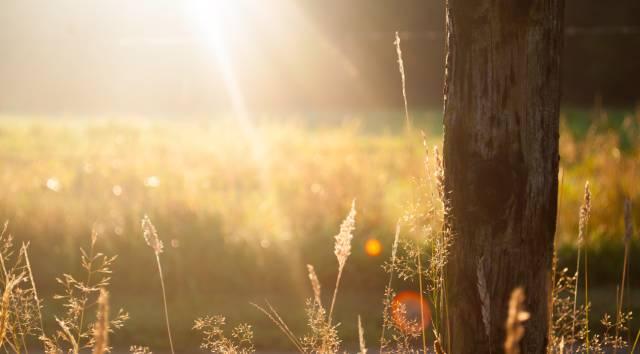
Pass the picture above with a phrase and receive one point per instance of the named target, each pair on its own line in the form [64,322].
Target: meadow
[242,210]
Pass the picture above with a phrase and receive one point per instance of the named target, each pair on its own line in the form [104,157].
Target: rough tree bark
[501,117]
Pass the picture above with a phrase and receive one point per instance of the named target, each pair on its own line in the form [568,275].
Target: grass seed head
[343,239]
[151,235]
[585,212]
[315,284]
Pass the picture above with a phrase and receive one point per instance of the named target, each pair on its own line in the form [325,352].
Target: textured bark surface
[502,97]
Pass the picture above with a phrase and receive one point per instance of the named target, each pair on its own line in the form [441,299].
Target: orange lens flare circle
[373,247]
[405,312]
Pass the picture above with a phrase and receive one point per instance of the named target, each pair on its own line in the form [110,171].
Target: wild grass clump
[214,339]
[569,323]
[420,256]
[74,332]
[323,335]
[21,320]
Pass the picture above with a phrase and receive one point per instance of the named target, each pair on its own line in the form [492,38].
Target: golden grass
[419,256]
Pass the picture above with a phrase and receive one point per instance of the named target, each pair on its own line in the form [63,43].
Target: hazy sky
[170,57]
[149,56]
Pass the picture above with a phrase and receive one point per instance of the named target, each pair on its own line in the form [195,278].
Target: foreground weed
[570,320]
[323,336]
[151,237]
[420,256]
[215,341]
[363,346]
[74,333]
[101,327]
[135,349]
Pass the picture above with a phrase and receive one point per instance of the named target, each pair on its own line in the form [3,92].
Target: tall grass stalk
[584,216]
[625,263]
[635,342]
[394,252]
[343,251]
[101,327]
[554,270]
[151,237]
[585,212]
[89,268]
[363,348]
[273,315]
[422,324]
[403,78]
[33,286]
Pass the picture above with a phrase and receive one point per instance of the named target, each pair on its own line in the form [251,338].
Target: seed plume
[343,239]
[151,235]
[315,284]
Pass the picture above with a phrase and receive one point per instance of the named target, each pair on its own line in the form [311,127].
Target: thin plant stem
[586,295]
[275,318]
[164,300]
[86,297]
[404,86]
[33,286]
[635,342]
[393,264]
[619,300]
[575,296]
[335,294]
[554,267]
[424,336]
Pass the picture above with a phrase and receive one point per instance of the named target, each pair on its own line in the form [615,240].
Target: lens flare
[406,310]
[373,247]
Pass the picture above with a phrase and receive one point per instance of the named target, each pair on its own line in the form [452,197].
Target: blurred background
[245,128]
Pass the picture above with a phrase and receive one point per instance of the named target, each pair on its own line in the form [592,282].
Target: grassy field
[242,209]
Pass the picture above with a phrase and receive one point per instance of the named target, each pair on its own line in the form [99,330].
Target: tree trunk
[501,118]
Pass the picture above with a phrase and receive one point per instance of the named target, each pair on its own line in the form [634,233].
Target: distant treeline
[601,54]
[122,57]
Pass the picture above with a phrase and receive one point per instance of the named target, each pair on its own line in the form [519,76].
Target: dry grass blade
[363,348]
[421,290]
[101,327]
[635,342]
[33,285]
[5,305]
[517,315]
[315,284]
[277,320]
[66,334]
[628,233]
[387,300]
[403,77]
[585,213]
